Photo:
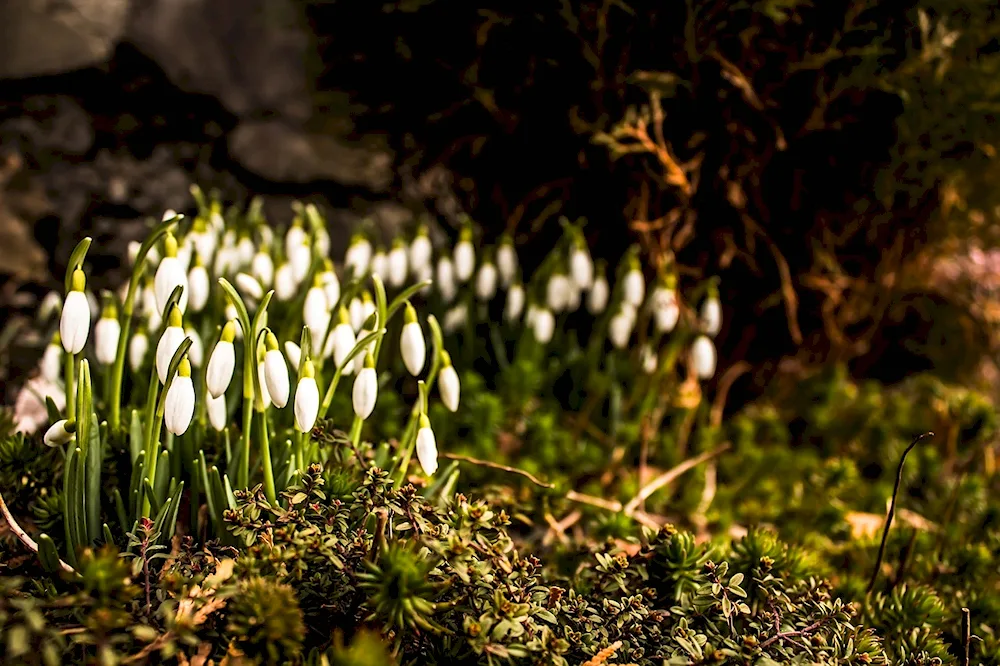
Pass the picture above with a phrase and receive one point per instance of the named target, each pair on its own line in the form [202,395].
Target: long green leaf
[135,440]
[206,484]
[161,483]
[47,554]
[119,508]
[94,464]
[154,503]
[171,525]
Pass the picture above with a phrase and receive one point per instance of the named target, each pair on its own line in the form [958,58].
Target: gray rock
[281,153]
[52,36]
[250,54]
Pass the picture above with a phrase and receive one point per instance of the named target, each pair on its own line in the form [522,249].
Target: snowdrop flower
[573,297]
[427,452]
[543,325]
[51,363]
[50,305]
[649,359]
[411,342]
[284,282]
[59,433]
[300,259]
[275,372]
[357,314]
[149,309]
[703,357]
[486,281]
[322,242]
[506,260]
[169,275]
[173,336]
[226,258]
[581,267]
[367,306]
[420,250]
[465,256]
[446,279]
[262,268]
[221,365]
[448,385]
[425,274]
[245,249]
[380,263]
[711,313]
[515,302]
[249,286]
[295,236]
[397,264]
[316,312]
[597,299]
[95,307]
[217,412]
[74,323]
[342,340]
[138,346]
[557,292]
[203,239]
[265,397]
[198,286]
[365,389]
[620,327]
[455,318]
[331,285]
[179,405]
[306,399]
[634,290]
[293,353]
[666,309]
[106,335]
[196,352]
[184,253]
[358,256]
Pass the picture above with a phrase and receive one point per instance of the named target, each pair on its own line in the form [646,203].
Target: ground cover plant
[420,454]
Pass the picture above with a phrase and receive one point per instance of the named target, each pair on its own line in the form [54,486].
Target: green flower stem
[152,443]
[265,458]
[409,439]
[332,388]
[70,386]
[125,319]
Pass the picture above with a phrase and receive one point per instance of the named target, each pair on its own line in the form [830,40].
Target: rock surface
[51,36]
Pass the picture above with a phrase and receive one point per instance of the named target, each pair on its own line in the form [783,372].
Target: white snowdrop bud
[249,287]
[357,314]
[300,260]
[465,256]
[634,289]
[331,284]
[597,298]
[711,313]
[293,353]
[284,283]
[59,433]
[245,249]
[427,453]
[184,253]
[323,242]
[557,292]
[306,399]
[506,260]
[448,384]
[380,264]
[316,312]
[367,306]
[359,255]
[703,357]
[179,405]
[262,268]
[455,318]
[265,396]
[425,274]
[74,322]
[295,236]
[51,362]
[204,240]
[169,275]
[95,307]
[343,340]
[138,347]
[173,336]
[581,267]
[199,286]
[648,359]
[196,352]
[486,281]
[515,302]
[573,297]
[411,342]
[217,412]
[543,325]
[275,372]
[397,264]
[666,309]
[620,328]
[420,250]
[50,305]
[106,335]
[365,390]
[446,279]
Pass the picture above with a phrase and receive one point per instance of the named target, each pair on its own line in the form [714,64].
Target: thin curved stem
[23,537]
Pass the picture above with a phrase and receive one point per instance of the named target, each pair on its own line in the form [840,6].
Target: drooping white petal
[106,335]
[427,453]
[199,288]
[171,339]
[711,316]
[293,353]
[397,266]
[544,325]
[51,363]
[420,253]
[703,357]
[597,298]
[265,397]
[634,290]
[262,268]
[217,412]
[446,279]
[507,263]
[515,303]
[74,323]
[57,434]
[413,348]
[465,260]
[449,387]
[276,376]
[306,404]
[179,405]
[486,282]
[170,275]
[343,342]
[220,368]
[138,346]
[581,268]
[365,392]
[284,283]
